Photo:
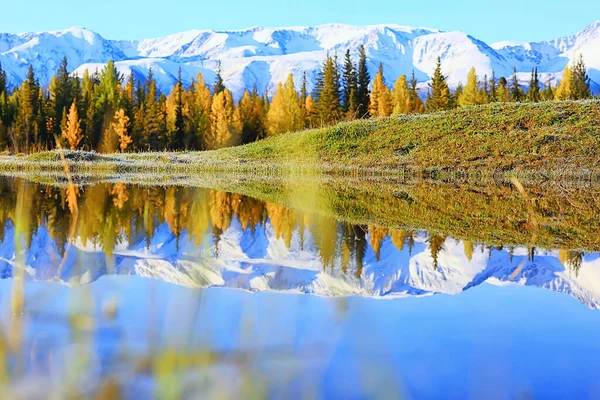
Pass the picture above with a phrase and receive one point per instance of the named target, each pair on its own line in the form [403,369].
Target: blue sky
[516,20]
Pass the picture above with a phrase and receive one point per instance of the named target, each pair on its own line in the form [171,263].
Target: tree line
[107,112]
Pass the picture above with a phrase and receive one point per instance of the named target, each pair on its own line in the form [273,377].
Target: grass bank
[551,139]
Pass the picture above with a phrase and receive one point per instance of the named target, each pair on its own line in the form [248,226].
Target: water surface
[133,291]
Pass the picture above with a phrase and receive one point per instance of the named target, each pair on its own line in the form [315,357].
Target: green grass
[552,139]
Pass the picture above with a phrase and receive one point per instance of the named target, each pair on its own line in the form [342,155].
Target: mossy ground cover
[550,139]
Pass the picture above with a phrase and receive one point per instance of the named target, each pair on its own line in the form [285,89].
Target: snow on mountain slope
[262,57]
[258,261]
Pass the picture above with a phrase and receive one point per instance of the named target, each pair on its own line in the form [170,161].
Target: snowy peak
[262,57]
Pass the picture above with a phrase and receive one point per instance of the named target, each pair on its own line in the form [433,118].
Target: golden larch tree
[120,127]
[563,91]
[400,96]
[72,131]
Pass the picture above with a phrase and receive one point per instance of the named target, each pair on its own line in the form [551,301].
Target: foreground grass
[552,139]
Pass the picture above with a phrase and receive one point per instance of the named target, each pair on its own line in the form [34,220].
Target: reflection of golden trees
[111,213]
[468,247]
[571,259]
[436,244]
[283,221]
[399,238]
[376,237]
[119,191]
[220,209]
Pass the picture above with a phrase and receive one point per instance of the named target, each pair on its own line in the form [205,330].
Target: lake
[298,289]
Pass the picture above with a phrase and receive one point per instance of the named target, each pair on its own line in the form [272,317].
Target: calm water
[122,291]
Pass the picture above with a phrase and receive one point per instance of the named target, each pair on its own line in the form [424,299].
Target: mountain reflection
[199,238]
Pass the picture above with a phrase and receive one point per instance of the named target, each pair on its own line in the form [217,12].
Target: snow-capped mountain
[260,261]
[262,57]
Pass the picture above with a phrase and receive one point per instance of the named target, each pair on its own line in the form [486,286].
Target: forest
[107,112]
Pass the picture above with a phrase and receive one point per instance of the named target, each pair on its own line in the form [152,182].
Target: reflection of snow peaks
[259,261]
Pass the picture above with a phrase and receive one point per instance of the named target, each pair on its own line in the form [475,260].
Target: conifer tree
[547,93]
[71,132]
[533,94]
[483,94]
[400,96]
[580,82]
[493,87]
[121,128]
[106,99]
[226,124]
[469,95]
[3,87]
[251,115]
[285,114]
[27,124]
[219,85]
[363,81]
[515,91]
[350,86]
[563,91]
[502,95]
[61,91]
[416,104]
[329,108]
[440,92]
[178,133]
[154,126]
[310,111]
[381,101]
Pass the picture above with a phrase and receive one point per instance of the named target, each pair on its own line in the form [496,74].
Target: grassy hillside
[552,137]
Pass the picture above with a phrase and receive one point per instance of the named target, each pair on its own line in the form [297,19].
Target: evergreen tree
[219,85]
[483,94]
[440,93]
[106,98]
[515,91]
[493,87]
[251,114]
[502,93]
[154,126]
[533,94]
[178,134]
[329,107]
[350,86]
[363,81]
[3,87]
[416,104]
[580,82]
[547,93]
[62,93]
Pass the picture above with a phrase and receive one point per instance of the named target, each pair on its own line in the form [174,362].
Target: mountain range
[261,57]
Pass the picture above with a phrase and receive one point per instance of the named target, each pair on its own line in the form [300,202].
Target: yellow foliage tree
[563,91]
[380,104]
[309,110]
[120,127]
[225,122]
[285,113]
[400,96]
[469,95]
[72,131]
